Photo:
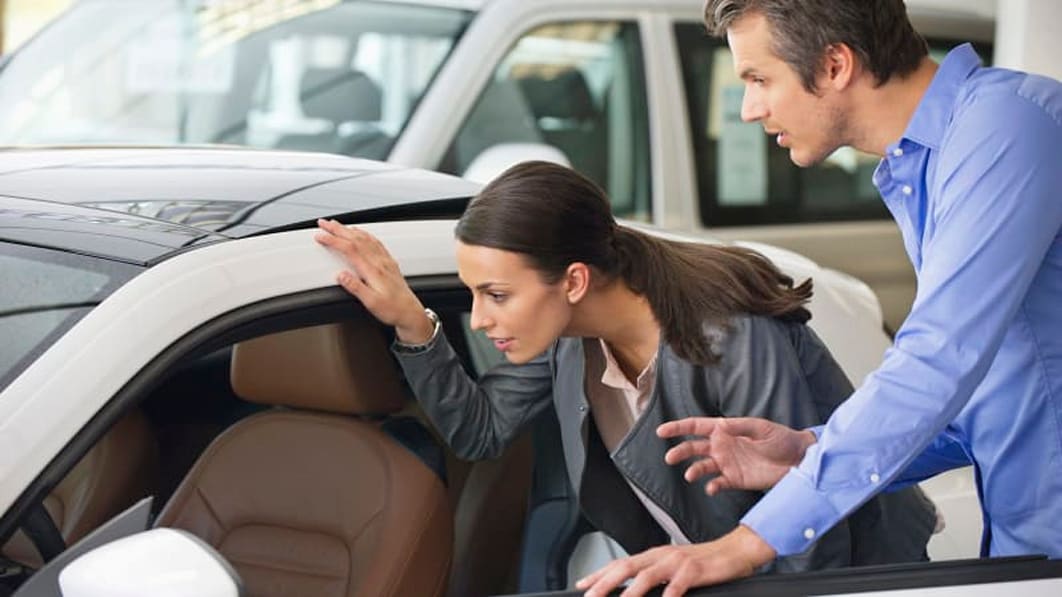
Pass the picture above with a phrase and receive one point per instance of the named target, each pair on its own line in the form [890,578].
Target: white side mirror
[161,562]
[495,159]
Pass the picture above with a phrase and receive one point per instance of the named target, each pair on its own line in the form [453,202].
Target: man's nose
[752,108]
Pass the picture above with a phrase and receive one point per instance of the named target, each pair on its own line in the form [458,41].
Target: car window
[324,76]
[743,178]
[578,87]
[45,293]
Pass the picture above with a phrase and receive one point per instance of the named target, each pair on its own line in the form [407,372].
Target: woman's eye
[497,296]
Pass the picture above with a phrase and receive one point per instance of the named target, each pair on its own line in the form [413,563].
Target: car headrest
[562,94]
[340,95]
[341,367]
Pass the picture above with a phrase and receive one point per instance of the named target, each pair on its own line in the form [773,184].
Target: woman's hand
[745,452]
[375,280]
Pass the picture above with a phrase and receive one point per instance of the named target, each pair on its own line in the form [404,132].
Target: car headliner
[143,204]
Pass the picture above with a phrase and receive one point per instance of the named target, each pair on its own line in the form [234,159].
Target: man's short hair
[878,31]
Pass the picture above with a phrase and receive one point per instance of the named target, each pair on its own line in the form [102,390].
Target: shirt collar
[613,375]
[933,114]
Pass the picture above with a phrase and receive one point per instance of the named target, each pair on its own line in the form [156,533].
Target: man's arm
[997,216]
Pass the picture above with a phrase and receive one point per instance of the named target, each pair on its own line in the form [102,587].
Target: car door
[549,80]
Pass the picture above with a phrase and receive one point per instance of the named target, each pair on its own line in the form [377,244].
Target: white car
[170,329]
[633,94]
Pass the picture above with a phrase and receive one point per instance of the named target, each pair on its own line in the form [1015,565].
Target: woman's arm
[478,419]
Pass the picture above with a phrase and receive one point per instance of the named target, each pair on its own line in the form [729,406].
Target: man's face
[810,125]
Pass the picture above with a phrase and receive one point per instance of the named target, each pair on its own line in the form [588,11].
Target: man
[972,173]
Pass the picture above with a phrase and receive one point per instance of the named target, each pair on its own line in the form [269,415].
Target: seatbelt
[41,530]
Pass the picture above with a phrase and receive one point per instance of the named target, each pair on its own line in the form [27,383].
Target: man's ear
[839,66]
[576,282]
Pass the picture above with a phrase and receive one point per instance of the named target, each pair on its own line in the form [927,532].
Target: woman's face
[518,310]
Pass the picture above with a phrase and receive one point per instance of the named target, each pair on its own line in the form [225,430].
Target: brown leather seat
[311,499]
[119,470]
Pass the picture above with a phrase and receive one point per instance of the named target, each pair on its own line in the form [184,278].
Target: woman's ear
[576,282]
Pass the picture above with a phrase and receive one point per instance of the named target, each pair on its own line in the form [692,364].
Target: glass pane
[743,177]
[317,75]
[577,88]
[45,293]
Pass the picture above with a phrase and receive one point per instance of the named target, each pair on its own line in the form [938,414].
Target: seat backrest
[119,470]
[568,117]
[340,95]
[312,499]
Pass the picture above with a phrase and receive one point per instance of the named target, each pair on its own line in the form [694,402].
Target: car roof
[141,205]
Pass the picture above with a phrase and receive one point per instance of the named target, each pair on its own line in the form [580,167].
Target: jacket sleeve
[762,374]
[477,419]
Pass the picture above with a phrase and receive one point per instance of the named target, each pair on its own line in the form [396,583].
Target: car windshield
[45,292]
[316,75]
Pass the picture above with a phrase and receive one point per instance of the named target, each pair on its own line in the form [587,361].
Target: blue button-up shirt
[975,373]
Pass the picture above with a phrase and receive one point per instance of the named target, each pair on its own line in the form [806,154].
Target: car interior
[294,448]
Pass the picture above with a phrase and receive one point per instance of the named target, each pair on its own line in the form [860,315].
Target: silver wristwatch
[405,348]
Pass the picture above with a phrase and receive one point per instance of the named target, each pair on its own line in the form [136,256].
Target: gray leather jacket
[769,368]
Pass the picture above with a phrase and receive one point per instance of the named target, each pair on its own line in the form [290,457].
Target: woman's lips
[503,344]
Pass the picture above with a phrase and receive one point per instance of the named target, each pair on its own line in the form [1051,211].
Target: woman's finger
[352,284]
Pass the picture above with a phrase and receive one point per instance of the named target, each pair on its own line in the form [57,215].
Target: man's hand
[745,452]
[735,555]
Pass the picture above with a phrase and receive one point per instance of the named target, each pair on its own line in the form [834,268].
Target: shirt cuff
[817,431]
[792,515]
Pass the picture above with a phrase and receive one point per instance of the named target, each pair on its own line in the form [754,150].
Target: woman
[620,331]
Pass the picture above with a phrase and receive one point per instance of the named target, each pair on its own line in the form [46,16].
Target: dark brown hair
[555,217]
[878,31]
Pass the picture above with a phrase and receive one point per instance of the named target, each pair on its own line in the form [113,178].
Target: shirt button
[582,408]
[809,533]
[907,190]
[874,478]
[897,152]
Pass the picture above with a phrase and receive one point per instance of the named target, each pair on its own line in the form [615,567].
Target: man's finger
[681,580]
[718,484]
[611,576]
[701,468]
[688,449]
[649,578]
[689,426]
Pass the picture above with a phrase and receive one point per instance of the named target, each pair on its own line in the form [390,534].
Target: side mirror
[162,562]
[495,159]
